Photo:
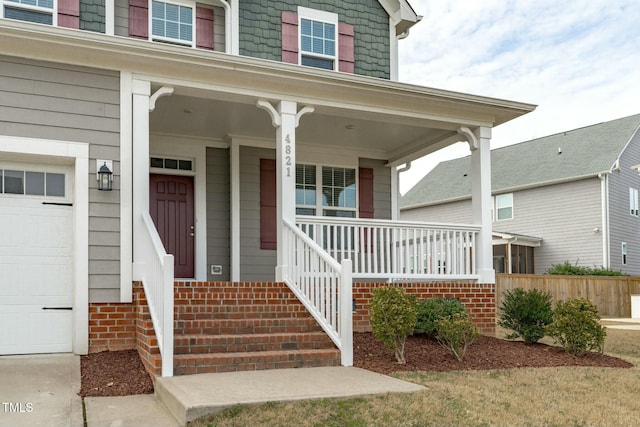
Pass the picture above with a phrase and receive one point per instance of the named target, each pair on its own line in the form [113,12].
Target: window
[38,11]
[504,206]
[172,23]
[318,36]
[633,201]
[338,195]
[624,253]
[175,164]
[32,183]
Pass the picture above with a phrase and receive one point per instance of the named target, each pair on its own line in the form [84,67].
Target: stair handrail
[157,280]
[323,285]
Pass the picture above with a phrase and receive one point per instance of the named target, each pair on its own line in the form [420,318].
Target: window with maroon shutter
[69,13]
[290,37]
[139,18]
[268,207]
[346,58]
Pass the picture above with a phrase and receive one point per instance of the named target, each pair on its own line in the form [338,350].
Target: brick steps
[187,364]
[190,344]
[223,327]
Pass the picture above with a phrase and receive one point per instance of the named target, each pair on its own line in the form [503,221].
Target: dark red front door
[171,204]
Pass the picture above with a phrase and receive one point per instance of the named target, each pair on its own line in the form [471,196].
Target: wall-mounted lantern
[104,174]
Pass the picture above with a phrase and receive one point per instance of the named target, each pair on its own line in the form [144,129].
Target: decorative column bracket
[163,91]
[275,115]
[471,137]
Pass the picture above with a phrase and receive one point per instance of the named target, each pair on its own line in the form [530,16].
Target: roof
[565,156]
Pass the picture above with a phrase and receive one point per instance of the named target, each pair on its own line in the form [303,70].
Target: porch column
[479,141]
[141,92]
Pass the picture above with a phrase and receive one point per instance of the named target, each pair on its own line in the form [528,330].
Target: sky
[577,60]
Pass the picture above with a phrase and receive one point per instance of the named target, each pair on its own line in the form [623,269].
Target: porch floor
[189,397]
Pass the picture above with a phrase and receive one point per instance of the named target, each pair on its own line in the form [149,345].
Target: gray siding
[218,219]
[255,264]
[121,23]
[92,15]
[63,102]
[381,187]
[563,215]
[623,226]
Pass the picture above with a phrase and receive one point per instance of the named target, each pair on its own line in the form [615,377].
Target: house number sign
[287,152]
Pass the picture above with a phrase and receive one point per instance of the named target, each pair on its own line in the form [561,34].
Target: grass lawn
[567,396]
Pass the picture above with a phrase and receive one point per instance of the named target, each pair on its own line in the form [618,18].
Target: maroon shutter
[139,18]
[69,13]
[365,184]
[290,37]
[345,52]
[204,28]
[268,210]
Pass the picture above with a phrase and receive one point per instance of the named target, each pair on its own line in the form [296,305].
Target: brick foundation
[479,300]
[112,327]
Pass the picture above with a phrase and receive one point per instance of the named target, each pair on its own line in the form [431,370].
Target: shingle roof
[585,151]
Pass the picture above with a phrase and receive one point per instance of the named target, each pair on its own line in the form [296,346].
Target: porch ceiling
[375,135]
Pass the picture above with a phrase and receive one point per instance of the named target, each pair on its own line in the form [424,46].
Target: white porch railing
[322,285]
[395,250]
[156,273]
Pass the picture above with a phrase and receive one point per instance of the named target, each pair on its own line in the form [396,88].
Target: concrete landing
[122,411]
[190,397]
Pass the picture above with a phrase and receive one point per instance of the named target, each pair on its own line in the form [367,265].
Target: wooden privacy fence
[612,295]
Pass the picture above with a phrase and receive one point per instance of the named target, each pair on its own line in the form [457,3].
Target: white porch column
[141,92]
[479,141]
[285,176]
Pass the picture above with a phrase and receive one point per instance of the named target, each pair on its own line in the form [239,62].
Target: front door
[171,204]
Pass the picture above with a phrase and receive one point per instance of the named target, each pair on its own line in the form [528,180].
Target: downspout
[395,190]
[604,200]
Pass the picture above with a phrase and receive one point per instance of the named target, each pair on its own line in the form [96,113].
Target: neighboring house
[237,134]
[570,197]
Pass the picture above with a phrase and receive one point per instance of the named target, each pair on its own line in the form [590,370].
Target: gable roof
[565,156]
[402,14]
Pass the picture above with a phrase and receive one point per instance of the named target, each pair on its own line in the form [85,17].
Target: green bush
[431,310]
[576,270]
[456,333]
[526,313]
[393,317]
[576,326]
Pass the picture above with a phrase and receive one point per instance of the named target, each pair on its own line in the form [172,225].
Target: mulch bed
[121,373]
[426,354]
[114,373]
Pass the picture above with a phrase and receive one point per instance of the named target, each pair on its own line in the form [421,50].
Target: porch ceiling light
[104,175]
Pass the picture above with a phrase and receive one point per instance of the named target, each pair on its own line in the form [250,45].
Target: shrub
[393,317]
[576,326]
[576,270]
[457,333]
[526,313]
[432,309]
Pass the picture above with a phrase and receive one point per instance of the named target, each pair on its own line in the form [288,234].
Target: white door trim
[78,154]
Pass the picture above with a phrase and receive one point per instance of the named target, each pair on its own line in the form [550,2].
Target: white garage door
[36,268]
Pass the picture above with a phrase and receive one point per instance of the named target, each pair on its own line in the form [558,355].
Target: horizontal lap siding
[62,102]
[255,264]
[218,218]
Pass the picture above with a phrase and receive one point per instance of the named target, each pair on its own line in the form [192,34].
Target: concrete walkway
[190,397]
[622,323]
[40,390]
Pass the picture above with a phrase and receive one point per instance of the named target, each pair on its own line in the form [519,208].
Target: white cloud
[578,60]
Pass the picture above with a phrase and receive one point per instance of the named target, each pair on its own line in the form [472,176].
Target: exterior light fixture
[104,175]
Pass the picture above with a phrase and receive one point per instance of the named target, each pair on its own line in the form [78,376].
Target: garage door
[36,269]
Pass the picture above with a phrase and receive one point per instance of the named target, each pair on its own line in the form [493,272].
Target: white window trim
[623,248]
[495,206]
[633,201]
[319,206]
[321,16]
[189,4]
[53,11]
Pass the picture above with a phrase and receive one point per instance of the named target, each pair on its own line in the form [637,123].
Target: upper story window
[504,206]
[172,22]
[317,39]
[38,11]
[318,35]
[633,201]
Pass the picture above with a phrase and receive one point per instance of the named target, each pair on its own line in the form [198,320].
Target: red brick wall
[112,326]
[479,299]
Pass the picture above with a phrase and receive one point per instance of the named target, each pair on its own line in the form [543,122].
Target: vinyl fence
[612,295]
